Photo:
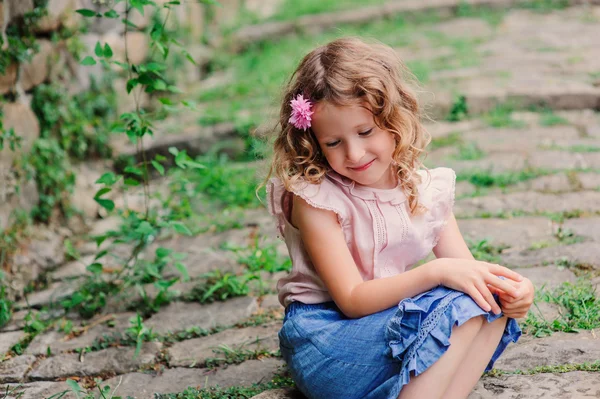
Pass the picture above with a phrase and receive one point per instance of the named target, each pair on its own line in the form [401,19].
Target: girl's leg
[476,359]
[434,381]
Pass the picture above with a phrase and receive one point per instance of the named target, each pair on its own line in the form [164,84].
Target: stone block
[112,360]
[8,79]
[13,370]
[144,386]
[196,352]
[181,316]
[36,71]
[8,339]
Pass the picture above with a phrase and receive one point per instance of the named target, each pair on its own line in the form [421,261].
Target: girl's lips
[363,167]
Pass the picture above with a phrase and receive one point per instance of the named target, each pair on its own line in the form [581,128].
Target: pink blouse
[382,236]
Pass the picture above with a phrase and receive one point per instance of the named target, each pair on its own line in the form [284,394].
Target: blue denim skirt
[331,356]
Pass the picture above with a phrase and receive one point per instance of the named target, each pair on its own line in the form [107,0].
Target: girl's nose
[354,152]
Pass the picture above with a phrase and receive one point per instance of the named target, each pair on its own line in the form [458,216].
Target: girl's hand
[517,307]
[478,279]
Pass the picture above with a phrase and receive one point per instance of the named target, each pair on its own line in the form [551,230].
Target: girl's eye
[368,132]
[332,144]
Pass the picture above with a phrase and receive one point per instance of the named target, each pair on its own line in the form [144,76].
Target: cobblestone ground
[542,220]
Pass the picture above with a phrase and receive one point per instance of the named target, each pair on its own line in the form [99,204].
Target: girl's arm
[324,241]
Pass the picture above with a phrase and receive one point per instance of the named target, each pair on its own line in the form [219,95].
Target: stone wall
[55,62]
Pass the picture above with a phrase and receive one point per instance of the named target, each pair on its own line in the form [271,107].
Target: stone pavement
[545,227]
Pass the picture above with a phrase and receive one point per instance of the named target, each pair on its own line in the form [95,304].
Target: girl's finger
[487,295]
[494,281]
[505,272]
[479,300]
[495,290]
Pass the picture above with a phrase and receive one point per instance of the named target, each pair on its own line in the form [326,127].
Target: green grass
[501,117]
[481,178]
[580,304]
[449,140]
[291,9]
[549,118]
[484,251]
[469,152]
[278,382]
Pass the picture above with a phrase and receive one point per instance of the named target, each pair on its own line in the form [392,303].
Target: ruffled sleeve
[323,196]
[436,193]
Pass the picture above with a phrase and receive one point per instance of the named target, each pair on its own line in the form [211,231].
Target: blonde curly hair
[350,71]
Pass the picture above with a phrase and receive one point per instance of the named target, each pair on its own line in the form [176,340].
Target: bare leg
[476,359]
[434,381]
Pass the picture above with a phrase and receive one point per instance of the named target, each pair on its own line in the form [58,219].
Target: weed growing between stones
[451,139]
[220,286]
[563,368]
[580,303]
[225,355]
[484,251]
[549,118]
[501,117]
[459,110]
[5,303]
[280,381]
[469,152]
[480,178]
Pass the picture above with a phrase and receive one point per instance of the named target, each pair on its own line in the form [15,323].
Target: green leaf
[121,64]
[133,170]
[87,61]
[180,228]
[98,50]
[111,14]
[174,89]
[108,53]
[159,85]
[183,270]
[166,101]
[129,23]
[107,204]
[131,83]
[145,228]
[155,67]
[101,254]
[74,385]
[87,13]
[173,150]
[102,191]
[161,252]
[189,57]
[158,167]
[131,182]
[95,268]
[108,179]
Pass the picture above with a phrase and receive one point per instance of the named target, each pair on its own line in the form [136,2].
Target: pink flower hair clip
[301,112]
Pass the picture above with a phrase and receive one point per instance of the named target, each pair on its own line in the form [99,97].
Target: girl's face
[353,144]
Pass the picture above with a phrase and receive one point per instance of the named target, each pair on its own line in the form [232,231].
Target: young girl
[357,211]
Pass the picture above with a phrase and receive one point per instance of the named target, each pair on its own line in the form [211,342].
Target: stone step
[555,350]
[389,9]
[112,360]
[529,202]
[57,342]
[572,385]
[13,370]
[37,390]
[195,352]
[180,316]
[143,386]
[586,254]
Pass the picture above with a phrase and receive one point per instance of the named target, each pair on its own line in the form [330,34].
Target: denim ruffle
[418,334]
